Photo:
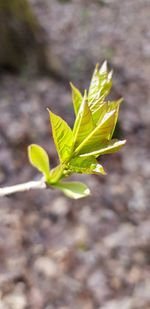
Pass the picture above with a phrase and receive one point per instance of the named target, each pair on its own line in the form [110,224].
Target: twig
[39,184]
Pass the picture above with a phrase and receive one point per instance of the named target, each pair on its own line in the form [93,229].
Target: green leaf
[85,165]
[102,132]
[73,189]
[98,169]
[105,80]
[106,148]
[105,108]
[76,98]
[38,158]
[94,85]
[63,137]
[100,86]
[56,174]
[106,86]
[99,113]
[84,123]
[114,105]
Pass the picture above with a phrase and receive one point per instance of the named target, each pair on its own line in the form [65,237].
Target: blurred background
[56,253]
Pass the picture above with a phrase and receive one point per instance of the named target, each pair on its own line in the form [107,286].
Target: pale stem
[39,184]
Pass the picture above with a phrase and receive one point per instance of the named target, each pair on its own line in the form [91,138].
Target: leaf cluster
[91,136]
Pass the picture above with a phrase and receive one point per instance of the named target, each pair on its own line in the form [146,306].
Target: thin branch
[39,184]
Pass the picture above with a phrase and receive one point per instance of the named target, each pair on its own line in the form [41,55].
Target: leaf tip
[85,94]
[110,74]
[50,114]
[48,110]
[104,67]
[71,84]
[29,149]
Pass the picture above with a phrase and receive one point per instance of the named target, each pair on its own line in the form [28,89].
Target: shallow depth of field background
[94,253]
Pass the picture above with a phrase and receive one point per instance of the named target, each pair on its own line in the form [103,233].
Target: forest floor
[94,253]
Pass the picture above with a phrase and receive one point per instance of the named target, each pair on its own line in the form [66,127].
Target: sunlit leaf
[85,165]
[99,113]
[94,87]
[63,137]
[38,158]
[84,123]
[76,98]
[98,169]
[105,110]
[102,132]
[100,86]
[103,70]
[114,105]
[56,174]
[73,189]
[106,87]
[106,148]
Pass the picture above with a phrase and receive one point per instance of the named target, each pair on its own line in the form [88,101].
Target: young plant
[91,136]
